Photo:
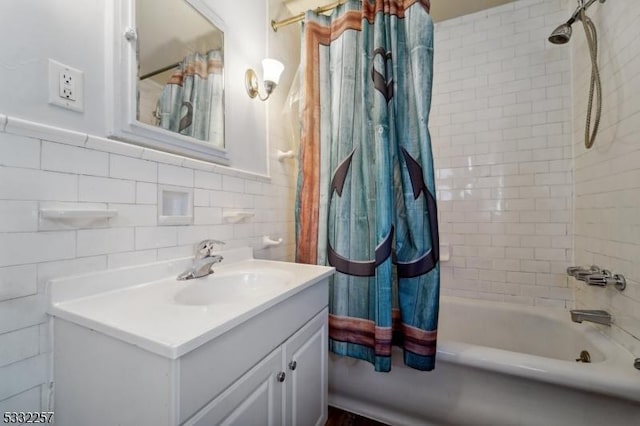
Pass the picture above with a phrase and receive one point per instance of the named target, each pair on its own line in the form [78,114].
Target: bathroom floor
[339,417]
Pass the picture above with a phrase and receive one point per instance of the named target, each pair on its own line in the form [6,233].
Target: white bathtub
[498,364]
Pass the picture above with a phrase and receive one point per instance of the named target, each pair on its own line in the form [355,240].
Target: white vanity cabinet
[131,357]
[288,387]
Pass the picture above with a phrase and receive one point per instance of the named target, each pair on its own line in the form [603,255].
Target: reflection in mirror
[180,70]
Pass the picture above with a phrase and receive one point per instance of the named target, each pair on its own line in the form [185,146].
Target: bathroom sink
[147,306]
[233,286]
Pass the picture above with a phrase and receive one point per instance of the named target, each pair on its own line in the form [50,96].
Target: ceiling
[440,9]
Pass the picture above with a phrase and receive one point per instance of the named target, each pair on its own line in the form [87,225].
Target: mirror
[172,77]
[180,70]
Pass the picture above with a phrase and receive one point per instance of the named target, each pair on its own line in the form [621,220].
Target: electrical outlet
[66,86]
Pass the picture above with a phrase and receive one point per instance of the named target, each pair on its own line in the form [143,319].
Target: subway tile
[27,184]
[252,187]
[208,180]
[134,215]
[92,242]
[191,235]
[72,159]
[551,229]
[175,252]
[524,253]
[146,193]
[232,184]
[28,400]
[18,216]
[155,237]
[106,190]
[19,344]
[18,281]
[123,167]
[23,312]
[63,268]
[201,197]
[19,151]
[174,175]
[550,254]
[31,247]
[140,257]
[207,215]
[23,375]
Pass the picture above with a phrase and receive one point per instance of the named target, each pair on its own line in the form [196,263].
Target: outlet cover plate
[59,93]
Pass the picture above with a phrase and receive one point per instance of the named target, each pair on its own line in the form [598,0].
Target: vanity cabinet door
[305,364]
[254,399]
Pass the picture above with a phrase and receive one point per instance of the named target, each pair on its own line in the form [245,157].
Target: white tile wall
[70,159]
[20,344]
[17,281]
[41,173]
[607,229]
[502,151]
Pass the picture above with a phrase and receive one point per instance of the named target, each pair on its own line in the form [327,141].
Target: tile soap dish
[235,216]
[176,205]
[71,214]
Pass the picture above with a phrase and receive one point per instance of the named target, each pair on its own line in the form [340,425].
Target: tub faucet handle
[578,271]
[605,278]
[583,273]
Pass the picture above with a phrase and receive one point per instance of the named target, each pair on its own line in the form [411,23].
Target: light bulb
[271,70]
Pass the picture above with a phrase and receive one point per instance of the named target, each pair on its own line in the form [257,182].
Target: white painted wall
[501,129]
[607,176]
[76,166]
[73,32]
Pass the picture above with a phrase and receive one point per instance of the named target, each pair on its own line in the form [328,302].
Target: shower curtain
[191,102]
[365,196]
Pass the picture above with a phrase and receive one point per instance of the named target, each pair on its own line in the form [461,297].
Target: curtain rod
[300,17]
[159,71]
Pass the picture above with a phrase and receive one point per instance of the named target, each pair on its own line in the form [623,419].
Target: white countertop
[137,304]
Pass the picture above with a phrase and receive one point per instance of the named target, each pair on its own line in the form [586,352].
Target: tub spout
[596,316]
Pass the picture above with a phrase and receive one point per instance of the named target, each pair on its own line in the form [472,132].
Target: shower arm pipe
[300,17]
[583,5]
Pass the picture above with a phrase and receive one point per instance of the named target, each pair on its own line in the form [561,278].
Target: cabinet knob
[293,365]
[131,34]
[281,376]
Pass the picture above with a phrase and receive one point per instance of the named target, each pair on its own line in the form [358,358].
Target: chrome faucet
[598,277]
[581,273]
[596,316]
[203,260]
[605,278]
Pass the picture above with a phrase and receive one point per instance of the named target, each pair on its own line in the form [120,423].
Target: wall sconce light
[271,71]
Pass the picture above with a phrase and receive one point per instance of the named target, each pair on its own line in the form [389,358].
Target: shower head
[562,34]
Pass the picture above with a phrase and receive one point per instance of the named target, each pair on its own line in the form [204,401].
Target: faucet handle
[598,279]
[583,273]
[605,278]
[205,248]
[579,272]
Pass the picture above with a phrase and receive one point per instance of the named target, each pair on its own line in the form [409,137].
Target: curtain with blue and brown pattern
[366,193]
[191,102]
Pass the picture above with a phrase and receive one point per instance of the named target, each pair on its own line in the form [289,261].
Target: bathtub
[498,364]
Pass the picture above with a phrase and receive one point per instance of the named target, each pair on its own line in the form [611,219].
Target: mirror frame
[121,89]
